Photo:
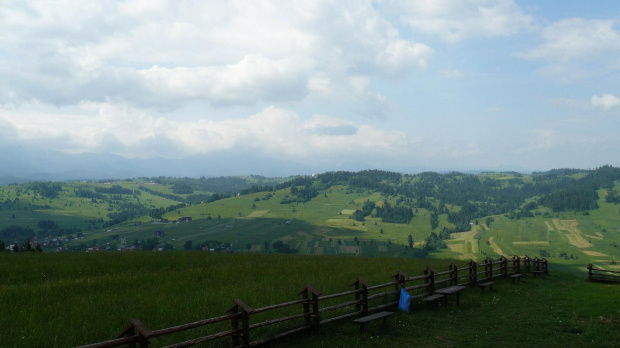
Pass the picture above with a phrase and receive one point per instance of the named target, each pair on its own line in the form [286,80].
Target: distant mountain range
[19,164]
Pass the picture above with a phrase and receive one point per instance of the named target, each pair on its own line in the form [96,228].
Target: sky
[326,85]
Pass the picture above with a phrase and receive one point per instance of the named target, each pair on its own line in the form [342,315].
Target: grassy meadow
[61,300]
[67,299]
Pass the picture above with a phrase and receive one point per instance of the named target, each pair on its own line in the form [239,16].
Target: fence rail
[603,275]
[352,303]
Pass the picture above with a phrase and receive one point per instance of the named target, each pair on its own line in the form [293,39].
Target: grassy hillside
[67,299]
[564,215]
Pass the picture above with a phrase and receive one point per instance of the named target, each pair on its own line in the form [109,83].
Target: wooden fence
[318,309]
[602,275]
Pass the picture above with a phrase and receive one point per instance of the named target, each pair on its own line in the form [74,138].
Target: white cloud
[455,20]
[168,52]
[605,101]
[541,139]
[252,79]
[131,132]
[575,38]
[577,48]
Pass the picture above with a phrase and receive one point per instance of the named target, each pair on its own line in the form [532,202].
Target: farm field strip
[570,230]
[532,242]
[496,247]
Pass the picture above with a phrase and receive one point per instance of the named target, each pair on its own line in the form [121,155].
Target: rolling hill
[569,215]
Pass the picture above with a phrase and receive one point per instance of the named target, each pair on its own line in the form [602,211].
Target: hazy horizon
[276,88]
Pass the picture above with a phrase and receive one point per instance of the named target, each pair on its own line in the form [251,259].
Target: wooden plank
[372,317]
[193,325]
[433,298]
[113,343]
[142,329]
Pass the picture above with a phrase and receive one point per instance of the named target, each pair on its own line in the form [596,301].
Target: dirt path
[496,247]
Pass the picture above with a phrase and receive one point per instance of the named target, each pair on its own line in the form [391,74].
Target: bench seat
[536,273]
[364,320]
[515,276]
[433,298]
[485,284]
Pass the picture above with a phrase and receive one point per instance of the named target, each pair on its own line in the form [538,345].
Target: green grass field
[321,226]
[61,300]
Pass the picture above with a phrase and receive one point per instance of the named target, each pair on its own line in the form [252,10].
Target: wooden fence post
[358,304]
[234,322]
[488,268]
[536,263]
[589,272]
[129,331]
[307,315]
[545,264]
[399,280]
[516,264]
[430,278]
[454,274]
[143,332]
[365,287]
[473,272]
[311,317]
[315,308]
[504,266]
[526,264]
[245,322]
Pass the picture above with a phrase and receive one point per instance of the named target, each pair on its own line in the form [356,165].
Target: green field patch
[464,235]
[594,253]
[454,241]
[532,242]
[257,213]
[350,250]
[457,247]
[58,212]
[347,211]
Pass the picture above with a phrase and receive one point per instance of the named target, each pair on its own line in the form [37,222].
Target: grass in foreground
[71,299]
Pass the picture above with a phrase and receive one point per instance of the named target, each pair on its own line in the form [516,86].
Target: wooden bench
[536,273]
[433,298]
[364,320]
[456,289]
[485,284]
[515,276]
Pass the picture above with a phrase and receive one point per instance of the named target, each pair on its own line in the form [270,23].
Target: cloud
[130,132]
[576,47]
[605,101]
[456,20]
[575,38]
[168,53]
[253,79]
[541,140]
